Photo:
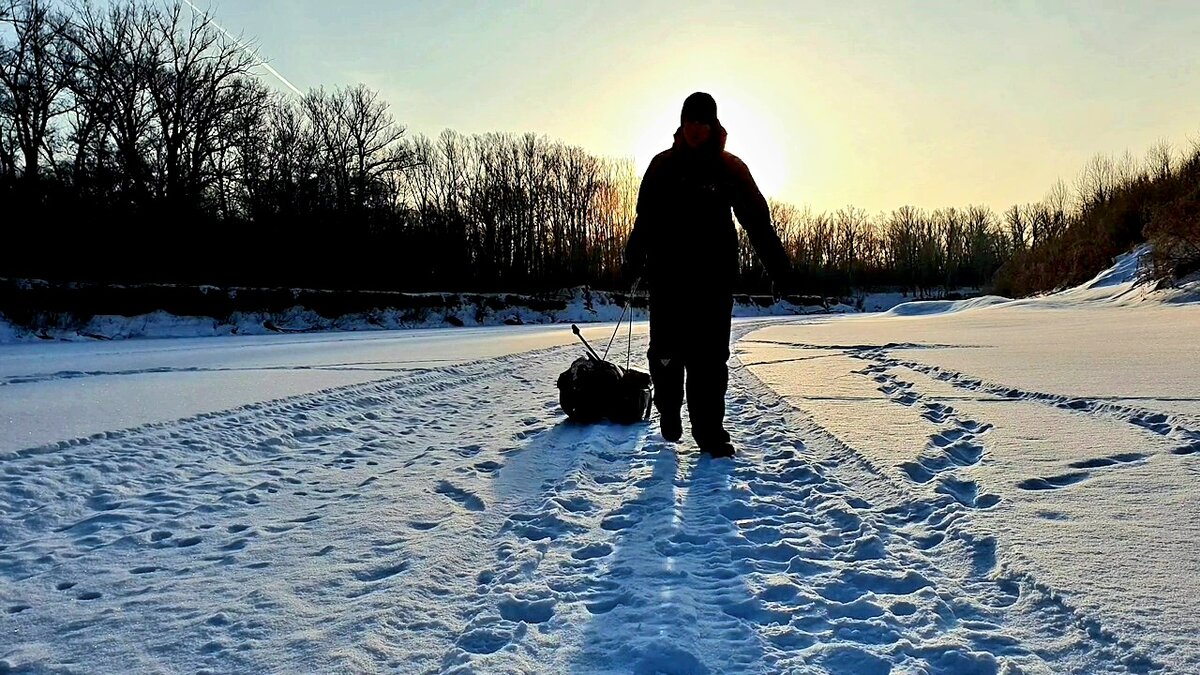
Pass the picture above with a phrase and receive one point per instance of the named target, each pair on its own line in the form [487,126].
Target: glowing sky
[875,104]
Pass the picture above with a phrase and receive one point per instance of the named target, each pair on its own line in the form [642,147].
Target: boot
[718,450]
[670,425]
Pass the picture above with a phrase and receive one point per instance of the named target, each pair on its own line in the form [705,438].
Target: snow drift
[1123,284]
[228,312]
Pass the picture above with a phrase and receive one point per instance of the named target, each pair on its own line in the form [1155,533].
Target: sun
[752,137]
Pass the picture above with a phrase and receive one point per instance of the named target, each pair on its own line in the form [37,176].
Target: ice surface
[1066,428]
[992,490]
[53,391]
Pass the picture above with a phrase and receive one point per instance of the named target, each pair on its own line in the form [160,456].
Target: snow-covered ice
[70,390]
[991,489]
[440,310]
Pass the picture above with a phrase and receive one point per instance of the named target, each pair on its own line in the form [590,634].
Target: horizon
[929,106]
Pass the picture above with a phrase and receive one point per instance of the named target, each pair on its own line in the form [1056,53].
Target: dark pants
[689,342]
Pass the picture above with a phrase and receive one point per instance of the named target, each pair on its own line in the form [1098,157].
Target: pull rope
[628,307]
[629,345]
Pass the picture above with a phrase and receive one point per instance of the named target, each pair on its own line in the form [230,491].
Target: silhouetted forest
[1115,205]
[137,143]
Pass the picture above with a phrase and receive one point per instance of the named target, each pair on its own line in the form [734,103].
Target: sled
[594,389]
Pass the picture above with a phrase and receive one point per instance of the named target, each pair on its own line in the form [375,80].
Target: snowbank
[1120,284]
[7,332]
[1123,284]
[930,307]
[316,311]
[434,310]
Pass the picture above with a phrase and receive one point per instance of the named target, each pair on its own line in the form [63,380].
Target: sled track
[449,520]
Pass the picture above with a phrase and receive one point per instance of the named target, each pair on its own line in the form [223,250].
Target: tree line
[137,143]
[1115,204]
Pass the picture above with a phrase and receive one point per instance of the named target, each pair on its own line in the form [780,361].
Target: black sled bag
[593,389]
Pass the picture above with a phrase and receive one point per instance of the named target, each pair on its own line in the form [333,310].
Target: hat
[699,107]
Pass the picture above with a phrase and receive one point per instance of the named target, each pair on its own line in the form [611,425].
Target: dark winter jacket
[684,237]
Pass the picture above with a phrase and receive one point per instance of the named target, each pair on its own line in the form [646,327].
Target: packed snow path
[448,519]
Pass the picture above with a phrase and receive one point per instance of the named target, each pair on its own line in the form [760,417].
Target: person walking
[685,243]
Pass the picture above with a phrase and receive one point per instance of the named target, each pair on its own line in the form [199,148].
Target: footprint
[1156,422]
[1053,482]
[1098,462]
[947,437]
[604,605]
[966,492]
[539,526]
[1189,449]
[663,657]
[381,572]
[236,544]
[471,450]
[983,553]
[964,453]
[483,641]
[619,521]
[935,417]
[488,467]
[529,611]
[917,472]
[468,500]
[576,504]
[591,551]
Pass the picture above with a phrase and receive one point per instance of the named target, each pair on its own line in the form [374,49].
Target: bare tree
[1159,159]
[9,147]
[114,65]
[375,142]
[33,79]
[197,84]
[1096,181]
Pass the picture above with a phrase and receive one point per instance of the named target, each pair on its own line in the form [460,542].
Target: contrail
[246,47]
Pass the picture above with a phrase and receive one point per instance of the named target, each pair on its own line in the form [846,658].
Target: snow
[930,307]
[435,310]
[441,310]
[51,391]
[997,489]
[1065,428]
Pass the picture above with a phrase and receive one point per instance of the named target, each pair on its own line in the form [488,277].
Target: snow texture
[1003,489]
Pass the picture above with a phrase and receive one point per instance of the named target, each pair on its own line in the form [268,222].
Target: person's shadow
[533,470]
[673,594]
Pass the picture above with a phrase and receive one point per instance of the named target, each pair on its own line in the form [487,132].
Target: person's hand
[631,269]
[784,287]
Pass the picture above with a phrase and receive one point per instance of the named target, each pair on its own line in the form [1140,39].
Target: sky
[872,104]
